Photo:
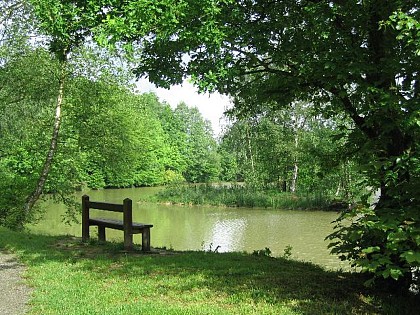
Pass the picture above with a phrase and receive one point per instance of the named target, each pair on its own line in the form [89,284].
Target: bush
[384,244]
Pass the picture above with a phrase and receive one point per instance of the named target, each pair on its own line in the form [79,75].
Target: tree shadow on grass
[228,280]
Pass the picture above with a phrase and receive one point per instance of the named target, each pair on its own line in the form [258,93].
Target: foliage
[294,151]
[110,137]
[228,164]
[26,97]
[185,282]
[239,196]
[385,244]
[407,23]
[287,252]
[197,145]
[17,22]
[266,252]
[139,144]
[351,61]
[132,148]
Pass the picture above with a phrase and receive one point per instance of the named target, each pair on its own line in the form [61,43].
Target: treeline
[291,150]
[109,137]
[113,137]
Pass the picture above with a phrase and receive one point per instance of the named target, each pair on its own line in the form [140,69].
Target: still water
[204,228]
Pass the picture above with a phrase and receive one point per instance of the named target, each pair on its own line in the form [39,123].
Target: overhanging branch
[360,121]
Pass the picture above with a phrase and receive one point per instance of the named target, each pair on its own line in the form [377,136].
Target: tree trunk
[337,192]
[295,177]
[251,157]
[293,184]
[32,199]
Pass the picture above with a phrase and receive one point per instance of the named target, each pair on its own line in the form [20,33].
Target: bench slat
[106,206]
[118,224]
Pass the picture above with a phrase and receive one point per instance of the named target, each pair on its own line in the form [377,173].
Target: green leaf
[371,249]
[411,256]
[395,273]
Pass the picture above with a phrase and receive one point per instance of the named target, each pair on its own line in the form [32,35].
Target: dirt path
[14,294]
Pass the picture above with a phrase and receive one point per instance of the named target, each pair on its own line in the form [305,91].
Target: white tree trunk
[295,177]
[293,184]
[251,156]
[32,199]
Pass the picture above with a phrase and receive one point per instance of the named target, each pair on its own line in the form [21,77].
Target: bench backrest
[126,208]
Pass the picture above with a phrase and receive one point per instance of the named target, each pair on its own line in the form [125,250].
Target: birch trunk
[293,184]
[295,177]
[32,199]
[250,151]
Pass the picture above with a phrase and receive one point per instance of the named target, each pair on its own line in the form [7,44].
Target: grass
[240,196]
[69,277]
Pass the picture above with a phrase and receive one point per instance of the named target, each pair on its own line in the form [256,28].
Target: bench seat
[119,224]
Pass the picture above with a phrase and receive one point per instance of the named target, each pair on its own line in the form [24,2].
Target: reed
[241,196]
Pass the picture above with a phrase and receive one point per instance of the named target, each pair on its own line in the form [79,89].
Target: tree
[28,81]
[64,33]
[33,80]
[16,26]
[175,137]
[64,29]
[26,95]
[198,147]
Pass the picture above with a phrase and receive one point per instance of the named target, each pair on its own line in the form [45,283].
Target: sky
[211,106]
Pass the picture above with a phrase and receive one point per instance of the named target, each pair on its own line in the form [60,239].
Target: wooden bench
[127,225]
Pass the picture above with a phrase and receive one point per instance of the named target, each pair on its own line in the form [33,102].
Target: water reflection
[227,235]
[196,228]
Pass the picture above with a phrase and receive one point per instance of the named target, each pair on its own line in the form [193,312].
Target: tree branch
[360,121]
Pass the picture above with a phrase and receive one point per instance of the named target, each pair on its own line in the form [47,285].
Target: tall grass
[240,196]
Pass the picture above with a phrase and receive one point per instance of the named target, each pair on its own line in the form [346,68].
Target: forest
[325,102]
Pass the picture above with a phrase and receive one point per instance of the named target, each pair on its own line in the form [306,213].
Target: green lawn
[69,277]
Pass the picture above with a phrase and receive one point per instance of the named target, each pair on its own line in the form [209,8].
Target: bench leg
[85,218]
[85,232]
[128,240]
[101,233]
[145,240]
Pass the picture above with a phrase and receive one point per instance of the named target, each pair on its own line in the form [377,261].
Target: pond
[208,228]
